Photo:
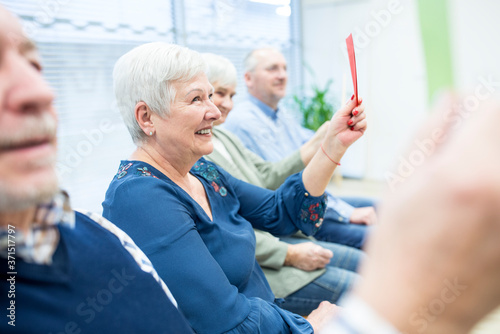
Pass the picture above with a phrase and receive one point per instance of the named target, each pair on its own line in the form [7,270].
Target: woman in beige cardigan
[301,270]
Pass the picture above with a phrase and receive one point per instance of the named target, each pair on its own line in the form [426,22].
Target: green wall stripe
[434,24]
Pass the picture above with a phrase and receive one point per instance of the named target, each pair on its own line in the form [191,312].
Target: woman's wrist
[335,162]
[333,150]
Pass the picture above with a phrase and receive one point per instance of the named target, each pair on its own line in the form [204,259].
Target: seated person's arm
[309,148]
[272,253]
[272,174]
[307,256]
[280,212]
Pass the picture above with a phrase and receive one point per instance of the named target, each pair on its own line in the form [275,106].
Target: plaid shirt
[41,241]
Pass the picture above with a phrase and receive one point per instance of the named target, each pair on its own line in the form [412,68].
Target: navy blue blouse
[209,265]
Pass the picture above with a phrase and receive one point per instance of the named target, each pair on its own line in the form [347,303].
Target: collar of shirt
[264,107]
[39,243]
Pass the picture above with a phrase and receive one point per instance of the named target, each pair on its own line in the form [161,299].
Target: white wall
[391,68]
[476,27]
[391,72]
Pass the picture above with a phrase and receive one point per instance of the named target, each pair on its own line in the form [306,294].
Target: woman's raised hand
[348,124]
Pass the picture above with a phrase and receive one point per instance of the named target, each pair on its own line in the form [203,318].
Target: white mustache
[35,129]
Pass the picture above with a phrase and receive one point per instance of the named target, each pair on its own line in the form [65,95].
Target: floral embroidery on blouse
[144,171]
[210,173]
[313,213]
[122,170]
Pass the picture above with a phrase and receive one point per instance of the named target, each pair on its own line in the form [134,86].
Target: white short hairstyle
[251,60]
[220,70]
[147,73]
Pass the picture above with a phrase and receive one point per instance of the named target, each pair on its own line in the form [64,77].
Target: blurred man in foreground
[434,262]
[62,271]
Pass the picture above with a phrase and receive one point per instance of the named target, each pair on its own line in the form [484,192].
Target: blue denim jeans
[338,232]
[338,279]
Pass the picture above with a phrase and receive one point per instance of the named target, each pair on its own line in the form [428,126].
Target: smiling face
[186,133]
[27,125]
[267,82]
[223,99]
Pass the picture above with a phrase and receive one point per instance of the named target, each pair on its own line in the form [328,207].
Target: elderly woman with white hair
[194,220]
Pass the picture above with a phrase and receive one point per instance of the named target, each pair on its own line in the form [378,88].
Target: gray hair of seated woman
[147,73]
[220,70]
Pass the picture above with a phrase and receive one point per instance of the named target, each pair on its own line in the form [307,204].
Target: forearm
[283,211]
[270,252]
[291,257]
[275,173]
[309,148]
[319,171]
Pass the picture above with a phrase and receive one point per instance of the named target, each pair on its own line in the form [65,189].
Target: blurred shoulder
[242,111]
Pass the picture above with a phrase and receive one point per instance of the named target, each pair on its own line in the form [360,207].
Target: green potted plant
[315,108]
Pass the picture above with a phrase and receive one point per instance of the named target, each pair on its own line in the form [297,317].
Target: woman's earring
[150,133]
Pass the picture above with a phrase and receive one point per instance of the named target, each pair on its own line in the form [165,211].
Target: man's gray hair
[251,60]
[147,73]
[220,70]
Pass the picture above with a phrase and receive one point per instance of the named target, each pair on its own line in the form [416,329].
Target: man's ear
[248,78]
[143,116]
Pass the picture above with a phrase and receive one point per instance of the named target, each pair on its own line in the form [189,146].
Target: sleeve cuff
[312,211]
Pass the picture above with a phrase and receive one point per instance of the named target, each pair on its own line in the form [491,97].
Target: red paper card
[352,61]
